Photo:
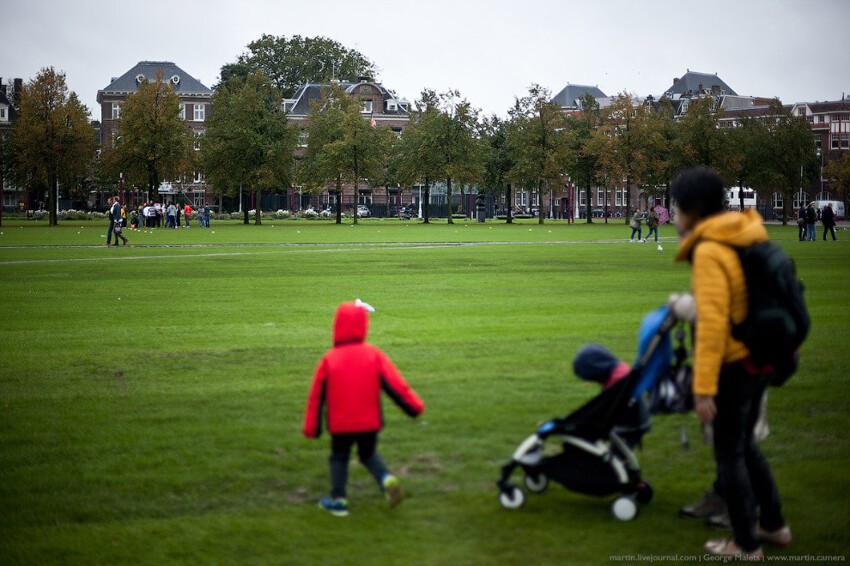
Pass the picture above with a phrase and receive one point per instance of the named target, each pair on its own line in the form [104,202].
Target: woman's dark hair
[698,191]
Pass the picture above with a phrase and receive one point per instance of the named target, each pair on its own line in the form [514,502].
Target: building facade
[195,100]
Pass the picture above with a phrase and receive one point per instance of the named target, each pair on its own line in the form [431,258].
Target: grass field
[151,396]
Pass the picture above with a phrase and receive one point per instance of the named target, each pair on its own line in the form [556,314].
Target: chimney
[16,94]
[675,80]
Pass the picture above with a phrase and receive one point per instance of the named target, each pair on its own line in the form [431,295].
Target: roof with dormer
[299,104]
[695,83]
[571,94]
[182,82]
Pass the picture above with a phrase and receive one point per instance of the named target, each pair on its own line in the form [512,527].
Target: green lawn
[151,396]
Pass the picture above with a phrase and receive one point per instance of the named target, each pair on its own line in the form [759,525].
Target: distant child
[349,379]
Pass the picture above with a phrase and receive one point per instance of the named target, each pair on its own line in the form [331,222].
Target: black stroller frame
[594,459]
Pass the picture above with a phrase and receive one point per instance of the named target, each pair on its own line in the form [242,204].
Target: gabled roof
[834,106]
[697,83]
[182,82]
[570,94]
[300,103]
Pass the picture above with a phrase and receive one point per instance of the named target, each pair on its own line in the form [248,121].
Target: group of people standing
[156,215]
[807,219]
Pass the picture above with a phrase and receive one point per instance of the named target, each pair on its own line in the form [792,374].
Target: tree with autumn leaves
[151,142]
[52,143]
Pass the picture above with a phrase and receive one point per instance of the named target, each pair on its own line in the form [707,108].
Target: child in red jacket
[349,379]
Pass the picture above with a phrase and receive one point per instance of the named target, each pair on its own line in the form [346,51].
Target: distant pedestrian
[652,224]
[206,215]
[115,222]
[801,223]
[811,218]
[187,213]
[827,218]
[110,202]
[635,223]
[171,211]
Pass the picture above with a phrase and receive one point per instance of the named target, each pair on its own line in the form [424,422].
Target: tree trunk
[587,211]
[629,198]
[52,196]
[741,194]
[509,217]
[540,201]
[258,209]
[449,198]
[425,204]
[338,199]
[242,196]
[356,198]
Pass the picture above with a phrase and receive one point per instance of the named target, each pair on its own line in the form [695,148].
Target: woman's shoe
[727,547]
[780,537]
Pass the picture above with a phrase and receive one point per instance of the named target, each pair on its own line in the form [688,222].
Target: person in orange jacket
[727,391]
[348,380]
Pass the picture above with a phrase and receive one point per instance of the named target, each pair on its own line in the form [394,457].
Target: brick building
[194,107]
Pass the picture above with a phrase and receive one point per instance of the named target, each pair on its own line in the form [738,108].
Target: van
[837,207]
[733,195]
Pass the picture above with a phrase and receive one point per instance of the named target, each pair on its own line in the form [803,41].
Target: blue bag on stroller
[593,458]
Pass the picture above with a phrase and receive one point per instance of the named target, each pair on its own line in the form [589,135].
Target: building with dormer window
[194,98]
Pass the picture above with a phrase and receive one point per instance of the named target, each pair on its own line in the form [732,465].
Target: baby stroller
[593,458]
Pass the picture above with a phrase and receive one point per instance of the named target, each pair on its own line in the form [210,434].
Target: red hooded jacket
[349,379]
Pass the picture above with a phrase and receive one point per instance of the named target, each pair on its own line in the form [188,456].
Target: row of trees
[250,144]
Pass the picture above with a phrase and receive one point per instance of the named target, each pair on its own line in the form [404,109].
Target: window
[833,141]
[600,197]
[817,142]
[619,197]
[582,198]
[182,114]
[302,138]
[845,141]
[116,111]
[3,115]
[777,200]
[199,177]
[197,142]
[366,106]
[801,112]
[200,112]
[821,118]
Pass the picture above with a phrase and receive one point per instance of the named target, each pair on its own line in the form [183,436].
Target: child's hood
[350,324]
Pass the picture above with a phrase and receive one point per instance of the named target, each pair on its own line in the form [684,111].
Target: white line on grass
[301,248]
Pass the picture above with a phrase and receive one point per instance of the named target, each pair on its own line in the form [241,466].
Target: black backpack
[777,320]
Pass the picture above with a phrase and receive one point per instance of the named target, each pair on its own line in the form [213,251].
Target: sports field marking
[277,248]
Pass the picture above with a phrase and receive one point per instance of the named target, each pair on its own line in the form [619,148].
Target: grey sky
[798,50]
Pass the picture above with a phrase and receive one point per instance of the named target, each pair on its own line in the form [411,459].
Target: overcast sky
[491,51]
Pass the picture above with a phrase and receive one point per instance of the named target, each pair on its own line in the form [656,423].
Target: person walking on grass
[349,379]
[637,218]
[727,388]
[652,224]
[811,218]
[115,222]
[827,218]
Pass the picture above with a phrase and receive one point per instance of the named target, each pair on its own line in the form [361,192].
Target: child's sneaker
[392,490]
[337,506]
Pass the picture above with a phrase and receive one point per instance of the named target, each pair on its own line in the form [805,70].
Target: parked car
[363,211]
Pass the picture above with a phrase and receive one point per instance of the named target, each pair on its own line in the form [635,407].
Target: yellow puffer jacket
[719,289]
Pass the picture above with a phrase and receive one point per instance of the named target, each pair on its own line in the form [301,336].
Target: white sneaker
[631,241]
[660,249]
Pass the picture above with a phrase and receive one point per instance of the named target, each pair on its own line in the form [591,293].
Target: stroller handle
[667,323]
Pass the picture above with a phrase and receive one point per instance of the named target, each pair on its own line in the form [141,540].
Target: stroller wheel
[536,484]
[624,508]
[644,493]
[512,499]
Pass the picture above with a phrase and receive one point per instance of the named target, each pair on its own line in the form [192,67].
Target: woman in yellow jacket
[727,388]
